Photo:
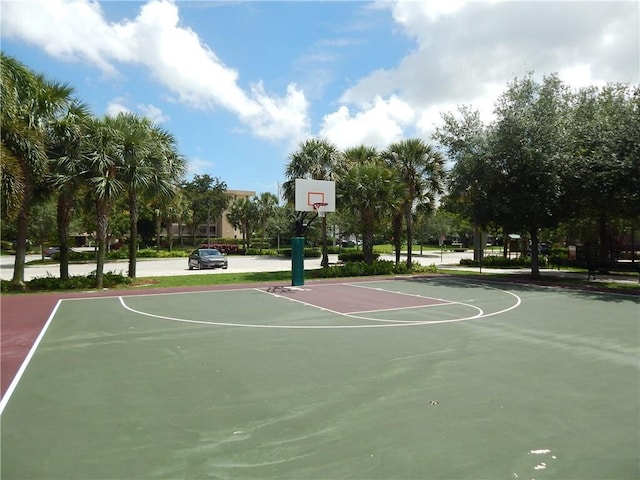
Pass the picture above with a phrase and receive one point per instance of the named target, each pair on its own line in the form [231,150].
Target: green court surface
[452,380]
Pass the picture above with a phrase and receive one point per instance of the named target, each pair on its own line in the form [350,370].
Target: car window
[209,252]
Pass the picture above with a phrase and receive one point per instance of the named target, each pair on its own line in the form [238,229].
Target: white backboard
[310,192]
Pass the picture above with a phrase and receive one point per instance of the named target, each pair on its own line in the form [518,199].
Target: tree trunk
[133,231]
[63,212]
[397,235]
[21,247]
[102,218]
[409,223]
[325,254]
[248,235]
[535,258]
[603,234]
[169,227]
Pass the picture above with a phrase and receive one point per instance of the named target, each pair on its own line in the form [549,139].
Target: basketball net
[318,208]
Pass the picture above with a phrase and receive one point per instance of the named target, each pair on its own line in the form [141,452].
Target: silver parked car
[207,258]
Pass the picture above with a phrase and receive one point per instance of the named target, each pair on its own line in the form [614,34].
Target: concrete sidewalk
[256,263]
[152,267]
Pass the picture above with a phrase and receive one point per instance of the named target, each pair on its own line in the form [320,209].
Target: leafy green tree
[16,89]
[42,225]
[529,154]
[174,212]
[208,199]
[370,190]
[243,214]
[66,146]
[465,140]
[601,179]
[266,204]
[420,168]
[281,225]
[29,102]
[105,185]
[150,167]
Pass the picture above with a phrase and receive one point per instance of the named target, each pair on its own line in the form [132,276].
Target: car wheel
[225,267]
[199,266]
[190,266]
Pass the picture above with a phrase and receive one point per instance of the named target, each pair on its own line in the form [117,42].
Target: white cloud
[467,51]
[115,107]
[404,12]
[73,30]
[174,55]
[153,113]
[199,166]
[579,76]
[377,124]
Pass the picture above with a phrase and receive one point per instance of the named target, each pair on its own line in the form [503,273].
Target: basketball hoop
[318,208]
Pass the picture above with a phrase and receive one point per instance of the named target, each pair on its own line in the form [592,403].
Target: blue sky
[241,84]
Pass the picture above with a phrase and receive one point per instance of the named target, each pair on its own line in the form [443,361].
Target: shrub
[494,261]
[264,251]
[355,256]
[378,267]
[308,252]
[48,283]
[226,248]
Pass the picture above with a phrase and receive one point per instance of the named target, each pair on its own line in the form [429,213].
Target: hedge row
[494,261]
[308,252]
[357,256]
[378,267]
[226,248]
[49,283]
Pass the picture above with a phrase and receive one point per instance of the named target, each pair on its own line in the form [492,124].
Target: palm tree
[16,86]
[421,169]
[173,212]
[370,190]
[315,159]
[29,103]
[150,166]
[242,214]
[104,182]
[133,169]
[66,146]
[265,204]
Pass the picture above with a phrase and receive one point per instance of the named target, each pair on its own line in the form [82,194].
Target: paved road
[178,266]
[249,263]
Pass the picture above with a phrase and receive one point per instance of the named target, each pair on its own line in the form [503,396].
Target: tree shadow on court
[518,283]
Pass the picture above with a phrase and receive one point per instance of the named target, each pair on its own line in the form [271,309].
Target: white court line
[370,319]
[25,362]
[387,323]
[442,303]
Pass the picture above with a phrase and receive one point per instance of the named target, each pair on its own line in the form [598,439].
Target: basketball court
[389,379]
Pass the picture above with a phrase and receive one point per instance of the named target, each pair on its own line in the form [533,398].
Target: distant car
[51,251]
[207,258]
[544,249]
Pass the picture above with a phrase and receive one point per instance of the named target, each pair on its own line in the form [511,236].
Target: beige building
[220,227]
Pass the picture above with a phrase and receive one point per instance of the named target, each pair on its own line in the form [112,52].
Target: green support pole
[297,261]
